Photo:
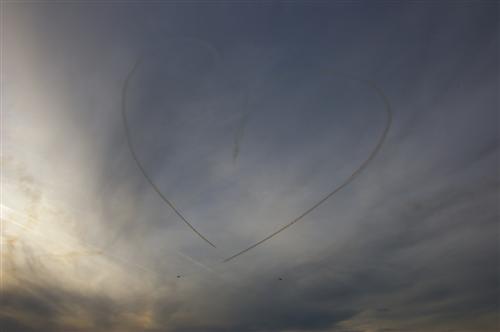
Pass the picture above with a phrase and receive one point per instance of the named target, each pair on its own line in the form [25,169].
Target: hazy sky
[244,115]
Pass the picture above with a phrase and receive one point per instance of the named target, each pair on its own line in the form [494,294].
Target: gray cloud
[409,245]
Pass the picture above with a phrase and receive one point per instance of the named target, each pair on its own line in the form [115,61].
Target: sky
[351,147]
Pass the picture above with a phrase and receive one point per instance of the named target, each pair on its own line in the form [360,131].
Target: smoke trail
[354,174]
[240,131]
[137,161]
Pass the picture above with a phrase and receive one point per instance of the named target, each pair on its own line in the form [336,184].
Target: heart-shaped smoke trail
[238,137]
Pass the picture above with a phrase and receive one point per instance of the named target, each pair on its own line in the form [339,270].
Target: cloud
[410,245]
